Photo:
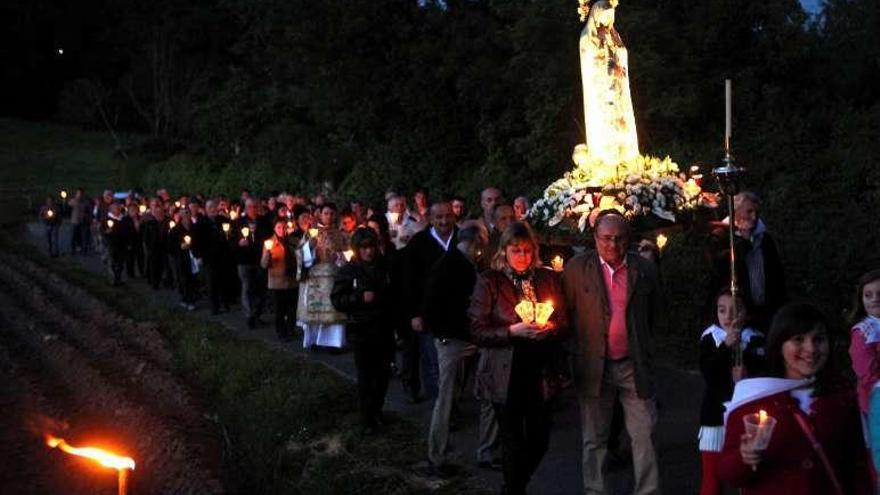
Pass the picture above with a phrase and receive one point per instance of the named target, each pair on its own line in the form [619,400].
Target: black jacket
[448,296]
[421,254]
[260,230]
[775,294]
[715,365]
[347,296]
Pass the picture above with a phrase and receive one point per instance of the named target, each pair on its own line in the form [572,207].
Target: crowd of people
[479,300]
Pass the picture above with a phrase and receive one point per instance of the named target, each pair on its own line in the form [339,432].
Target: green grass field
[38,159]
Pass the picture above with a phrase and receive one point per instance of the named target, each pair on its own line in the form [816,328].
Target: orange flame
[103,457]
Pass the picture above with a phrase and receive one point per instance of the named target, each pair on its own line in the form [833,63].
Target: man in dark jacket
[362,290]
[117,232]
[249,233]
[154,230]
[423,250]
[447,299]
[760,278]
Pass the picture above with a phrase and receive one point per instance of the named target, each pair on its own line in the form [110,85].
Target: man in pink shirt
[612,296]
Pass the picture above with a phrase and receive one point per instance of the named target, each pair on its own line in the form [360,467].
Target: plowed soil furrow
[141,338]
[105,351]
[103,384]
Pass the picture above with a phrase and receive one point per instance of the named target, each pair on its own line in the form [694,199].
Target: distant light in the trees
[60,51]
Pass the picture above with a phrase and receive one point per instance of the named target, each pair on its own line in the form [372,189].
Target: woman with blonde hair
[514,352]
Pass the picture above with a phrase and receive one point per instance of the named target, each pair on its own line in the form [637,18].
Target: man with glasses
[612,296]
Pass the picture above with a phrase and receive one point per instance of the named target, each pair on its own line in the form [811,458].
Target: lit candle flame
[245,232]
[187,239]
[172,224]
[557,263]
[103,457]
[50,213]
[109,224]
[661,241]
[762,417]
[142,209]
[233,215]
[268,244]
[63,194]
[313,232]
[177,204]
[226,228]
[289,225]
[349,254]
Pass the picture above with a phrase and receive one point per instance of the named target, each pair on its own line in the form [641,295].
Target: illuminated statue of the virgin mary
[608,112]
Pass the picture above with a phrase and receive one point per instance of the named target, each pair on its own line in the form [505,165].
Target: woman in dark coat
[514,353]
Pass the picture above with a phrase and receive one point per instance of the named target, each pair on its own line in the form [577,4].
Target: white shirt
[443,244]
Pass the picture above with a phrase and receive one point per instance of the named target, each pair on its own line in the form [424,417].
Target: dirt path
[73,367]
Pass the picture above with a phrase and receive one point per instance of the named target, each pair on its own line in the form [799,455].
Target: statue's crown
[583,9]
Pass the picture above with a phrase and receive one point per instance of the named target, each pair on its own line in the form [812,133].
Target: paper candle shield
[526,311]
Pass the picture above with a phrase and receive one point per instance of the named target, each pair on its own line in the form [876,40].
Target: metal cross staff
[728,176]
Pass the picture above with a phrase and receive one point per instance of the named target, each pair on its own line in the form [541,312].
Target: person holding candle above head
[729,352]
[277,258]
[362,290]
[812,436]
[514,353]
[864,350]
[613,297]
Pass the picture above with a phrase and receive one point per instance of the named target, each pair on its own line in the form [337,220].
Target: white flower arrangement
[646,186]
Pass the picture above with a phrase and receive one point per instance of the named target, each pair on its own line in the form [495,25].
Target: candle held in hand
[109,224]
[172,224]
[50,213]
[557,263]
[661,241]
[63,194]
[543,311]
[142,209]
[245,232]
[187,240]
[349,254]
[225,228]
[313,232]
[268,244]
[526,311]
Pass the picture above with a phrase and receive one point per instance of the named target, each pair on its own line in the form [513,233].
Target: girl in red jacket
[817,446]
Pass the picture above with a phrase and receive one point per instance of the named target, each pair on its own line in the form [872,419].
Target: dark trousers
[409,366]
[80,238]
[155,268]
[373,352]
[52,239]
[524,428]
[285,315]
[116,260]
[135,259]
[186,281]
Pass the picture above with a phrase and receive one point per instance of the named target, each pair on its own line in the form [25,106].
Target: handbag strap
[817,446]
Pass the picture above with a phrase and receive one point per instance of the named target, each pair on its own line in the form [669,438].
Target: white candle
[728,104]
